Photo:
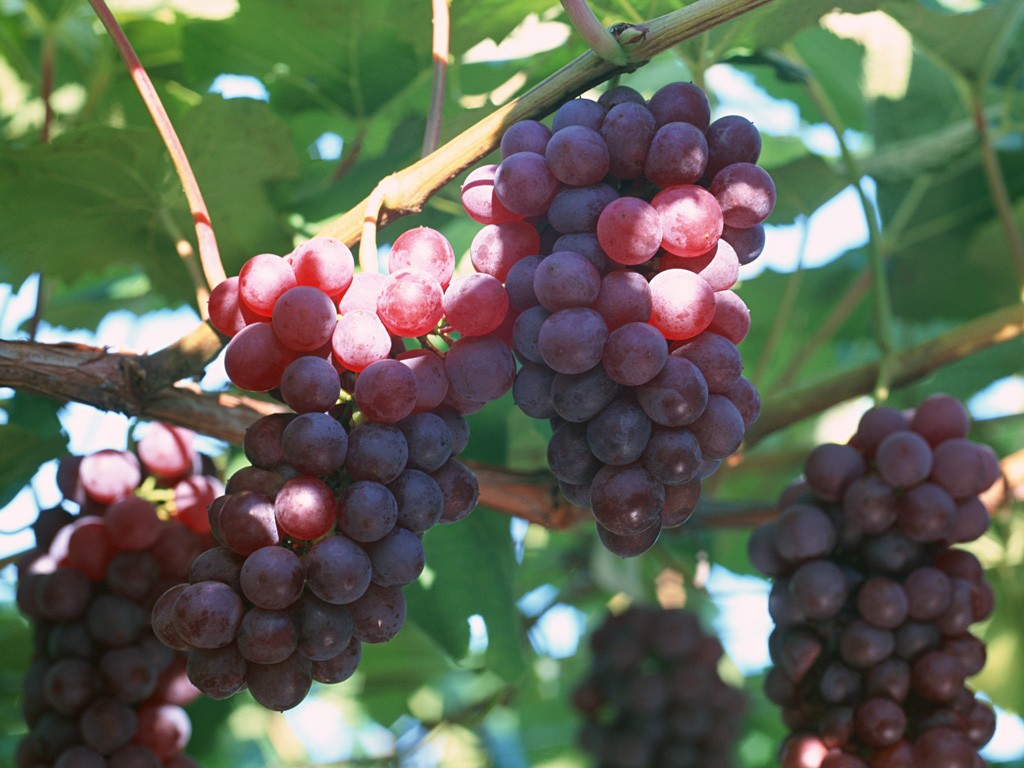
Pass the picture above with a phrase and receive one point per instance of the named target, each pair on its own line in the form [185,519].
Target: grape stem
[601,41]
[885,332]
[417,183]
[785,407]
[368,237]
[843,308]
[786,307]
[997,188]
[48,58]
[187,254]
[209,254]
[441,26]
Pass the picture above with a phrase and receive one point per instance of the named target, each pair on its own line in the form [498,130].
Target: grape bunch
[101,690]
[618,233]
[653,695]
[872,600]
[318,535]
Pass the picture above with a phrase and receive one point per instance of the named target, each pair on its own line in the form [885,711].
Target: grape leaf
[472,572]
[101,188]
[240,150]
[31,437]
[966,42]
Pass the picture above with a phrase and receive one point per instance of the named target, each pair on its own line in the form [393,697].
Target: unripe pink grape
[425,249]
[304,318]
[496,247]
[479,200]
[691,219]
[475,304]
[262,279]
[359,339]
[255,358]
[228,313]
[629,230]
[323,262]
[410,302]
[362,293]
[682,303]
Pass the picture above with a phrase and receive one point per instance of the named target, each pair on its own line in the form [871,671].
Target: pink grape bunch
[653,695]
[305,325]
[101,691]
[872,599]
[317,537]
[618,233]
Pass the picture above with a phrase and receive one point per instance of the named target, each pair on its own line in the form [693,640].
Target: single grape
[424,249]
[577,155]
[691,219]
[678,154]
[524,184]
[629,230]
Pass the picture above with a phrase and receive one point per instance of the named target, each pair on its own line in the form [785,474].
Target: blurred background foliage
[290,113]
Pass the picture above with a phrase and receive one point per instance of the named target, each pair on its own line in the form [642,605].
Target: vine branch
[422,179]
[789,406]
[137,385]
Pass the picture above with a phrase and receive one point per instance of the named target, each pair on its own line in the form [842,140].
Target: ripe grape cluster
[101,690]
[653,695]
[873,601]
[618,233]
[318,535]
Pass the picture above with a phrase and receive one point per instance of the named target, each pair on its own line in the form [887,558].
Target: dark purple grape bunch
[872,599]
[653,695]
[316,539]
[618,233]
[101,689]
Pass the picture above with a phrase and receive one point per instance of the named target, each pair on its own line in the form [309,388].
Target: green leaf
[89,199]
[774,24]
[952,261]
[354,56]
[83,303]
[471,570]
[837,66]
[966,42]
[240,150]
[802,186]
[473,20]
[31,437]
[389,673]
[1001,676]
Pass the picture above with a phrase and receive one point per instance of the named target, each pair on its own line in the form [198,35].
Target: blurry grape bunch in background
[101,687]
[891,269]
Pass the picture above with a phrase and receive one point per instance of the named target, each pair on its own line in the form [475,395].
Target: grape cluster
[101,690]
[318,535]
[618,233]
[653,695]
[873,601]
